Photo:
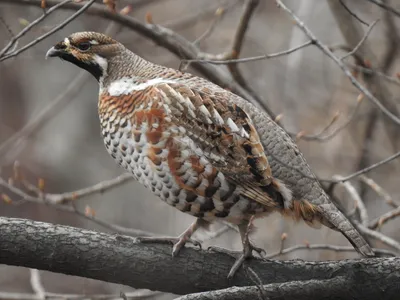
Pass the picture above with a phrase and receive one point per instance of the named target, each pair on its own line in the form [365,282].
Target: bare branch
[371,167]
[380,191]
[249,59]
[357,199]
[344,68]
[378,222]
[82,253]
[369,71]
[352,14]
[364,38]
[219,12]
[385,6]
[162,36]
[379,236]
[319,137]
[10,149]
[50,32]
[97,188]
[14,39]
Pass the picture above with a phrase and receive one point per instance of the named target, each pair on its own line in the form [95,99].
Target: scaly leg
[179,241]
[248,247]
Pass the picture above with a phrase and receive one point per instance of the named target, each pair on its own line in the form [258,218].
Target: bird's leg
[248,247]
[179,241]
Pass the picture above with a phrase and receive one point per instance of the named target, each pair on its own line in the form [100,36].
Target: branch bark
[336,288]
[120,259]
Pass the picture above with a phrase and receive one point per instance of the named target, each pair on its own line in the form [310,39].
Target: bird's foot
[260,251]
[247,253]
[178,242]
[240,256]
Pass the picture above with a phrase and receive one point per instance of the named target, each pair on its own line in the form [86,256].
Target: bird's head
[91,51]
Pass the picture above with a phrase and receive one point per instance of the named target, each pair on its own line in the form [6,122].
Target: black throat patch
[92,67]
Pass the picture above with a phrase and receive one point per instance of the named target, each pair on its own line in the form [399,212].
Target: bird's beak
[53,52]
[60,50]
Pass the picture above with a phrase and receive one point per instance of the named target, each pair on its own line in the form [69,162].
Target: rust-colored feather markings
[200,148]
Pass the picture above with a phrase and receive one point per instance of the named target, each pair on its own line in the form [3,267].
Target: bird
[199,147]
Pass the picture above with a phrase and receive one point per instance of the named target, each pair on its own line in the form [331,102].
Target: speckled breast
[163,157]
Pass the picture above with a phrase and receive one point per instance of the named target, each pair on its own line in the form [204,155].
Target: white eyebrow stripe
[94,42]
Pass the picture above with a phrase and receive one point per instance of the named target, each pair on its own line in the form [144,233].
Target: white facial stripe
[127,85]
[102,62]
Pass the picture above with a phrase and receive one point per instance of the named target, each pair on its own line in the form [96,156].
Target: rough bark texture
[336,288]
[121,259]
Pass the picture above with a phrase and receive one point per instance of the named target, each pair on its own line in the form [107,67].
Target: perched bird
[199,147]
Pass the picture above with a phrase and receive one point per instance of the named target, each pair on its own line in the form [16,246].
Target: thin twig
[385,6]
[100,187]
[364,38]
[357,199]
[220,11]
[11,148]
[378,222]
[369,71]
[353,14]
[164,37]
[319,137]
[30,26]
[57,199]
[380,191]
[10,32]
[371,167]
[378,236]
[344,68]
[50,32]
[249,59]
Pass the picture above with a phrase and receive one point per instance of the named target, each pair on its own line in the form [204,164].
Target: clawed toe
[259,250]
[180,243]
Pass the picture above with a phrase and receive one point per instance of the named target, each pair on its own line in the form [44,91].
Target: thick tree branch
[336,288]
[121,259]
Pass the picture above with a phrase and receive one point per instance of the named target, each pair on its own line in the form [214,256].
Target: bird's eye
[84,46]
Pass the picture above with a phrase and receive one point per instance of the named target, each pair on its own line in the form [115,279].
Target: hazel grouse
[200,148]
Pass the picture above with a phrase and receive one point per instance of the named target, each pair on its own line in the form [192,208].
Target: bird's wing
[219,135]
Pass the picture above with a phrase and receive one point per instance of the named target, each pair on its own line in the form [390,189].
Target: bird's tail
[322,211]
[333,218]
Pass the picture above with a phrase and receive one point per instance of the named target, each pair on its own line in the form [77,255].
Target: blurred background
[306,87]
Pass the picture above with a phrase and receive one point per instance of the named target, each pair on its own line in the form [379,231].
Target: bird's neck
[129,65]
